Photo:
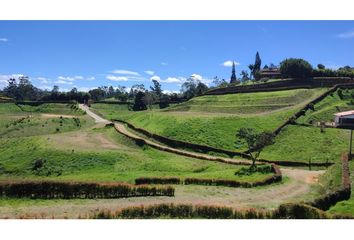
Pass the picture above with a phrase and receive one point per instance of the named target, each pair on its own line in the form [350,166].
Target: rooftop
[346,113]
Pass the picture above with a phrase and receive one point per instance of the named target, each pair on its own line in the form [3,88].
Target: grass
[332,104]
[18,157]
[207,125]
[307,143]
[345,207]
[26,120]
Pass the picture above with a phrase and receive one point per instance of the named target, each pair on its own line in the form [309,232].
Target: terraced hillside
[214,120]
[304,140]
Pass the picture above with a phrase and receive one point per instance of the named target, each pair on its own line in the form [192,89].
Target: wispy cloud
[90,78]
[157,78]
[60,81]
[4,40]
[117,78]
[346,35]
[43,80]
[149,72]
[164,63]
[125,72]
[228,63]
[71,79]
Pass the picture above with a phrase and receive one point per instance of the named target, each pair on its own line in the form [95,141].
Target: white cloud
[116,78]
[43,80]
[60,81]
[169,92]
[228,63]
[4,40]
[345,35]
[197,77]
[157,78]
[71,79]
[125,72]
[164,63]
[149,72]
[5,78]
[90,78]
[174,80]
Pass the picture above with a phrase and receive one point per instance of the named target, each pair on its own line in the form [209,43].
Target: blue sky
[88,54]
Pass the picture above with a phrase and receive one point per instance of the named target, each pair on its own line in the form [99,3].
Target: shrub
[298,211]
[295,68]
[157,180]
[67,190]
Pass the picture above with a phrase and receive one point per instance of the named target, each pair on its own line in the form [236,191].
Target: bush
[246,171]
[157,180]
[67,190]
[299,211]
[295,68]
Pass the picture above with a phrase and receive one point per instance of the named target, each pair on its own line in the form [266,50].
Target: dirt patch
[83,141]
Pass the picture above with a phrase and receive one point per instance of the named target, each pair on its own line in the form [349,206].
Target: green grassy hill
[214,120]
[304,141]
[29,150]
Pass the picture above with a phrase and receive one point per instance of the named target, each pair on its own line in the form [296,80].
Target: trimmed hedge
[184,211]
[180,211]
[277,177]
[341,194]
[158,180]
[67,190]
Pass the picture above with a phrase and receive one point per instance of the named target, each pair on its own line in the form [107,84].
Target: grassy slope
[72,156]
[215,129]
[346,207]
[126,164]
[25,120]
[302,143]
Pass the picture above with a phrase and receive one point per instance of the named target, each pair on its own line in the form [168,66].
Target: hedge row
[341,194]
[157,180]
[184,211]
[66,190]
[277,177]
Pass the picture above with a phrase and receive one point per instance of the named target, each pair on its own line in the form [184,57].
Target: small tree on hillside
[139,102]
[296,68]
[255,142]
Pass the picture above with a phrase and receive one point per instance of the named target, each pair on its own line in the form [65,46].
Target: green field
[305,142]
[214,120]
[26,120]
[96,154]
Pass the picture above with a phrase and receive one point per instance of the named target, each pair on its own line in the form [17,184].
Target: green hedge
[188,211]
[66,190]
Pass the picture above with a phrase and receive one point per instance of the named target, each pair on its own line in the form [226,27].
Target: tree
[296,68]
[255,142]
[251,66]
[244,76]
[256,66]
[156,89]
[321,66]
[189,88]
[233,78]
[139,102]
[219,82]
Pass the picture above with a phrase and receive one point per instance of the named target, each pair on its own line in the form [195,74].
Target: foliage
[255,141]
[296,68]
[52,189]
[140,102]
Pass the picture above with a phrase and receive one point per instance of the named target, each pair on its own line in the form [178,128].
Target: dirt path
[295,188]
[97,118]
